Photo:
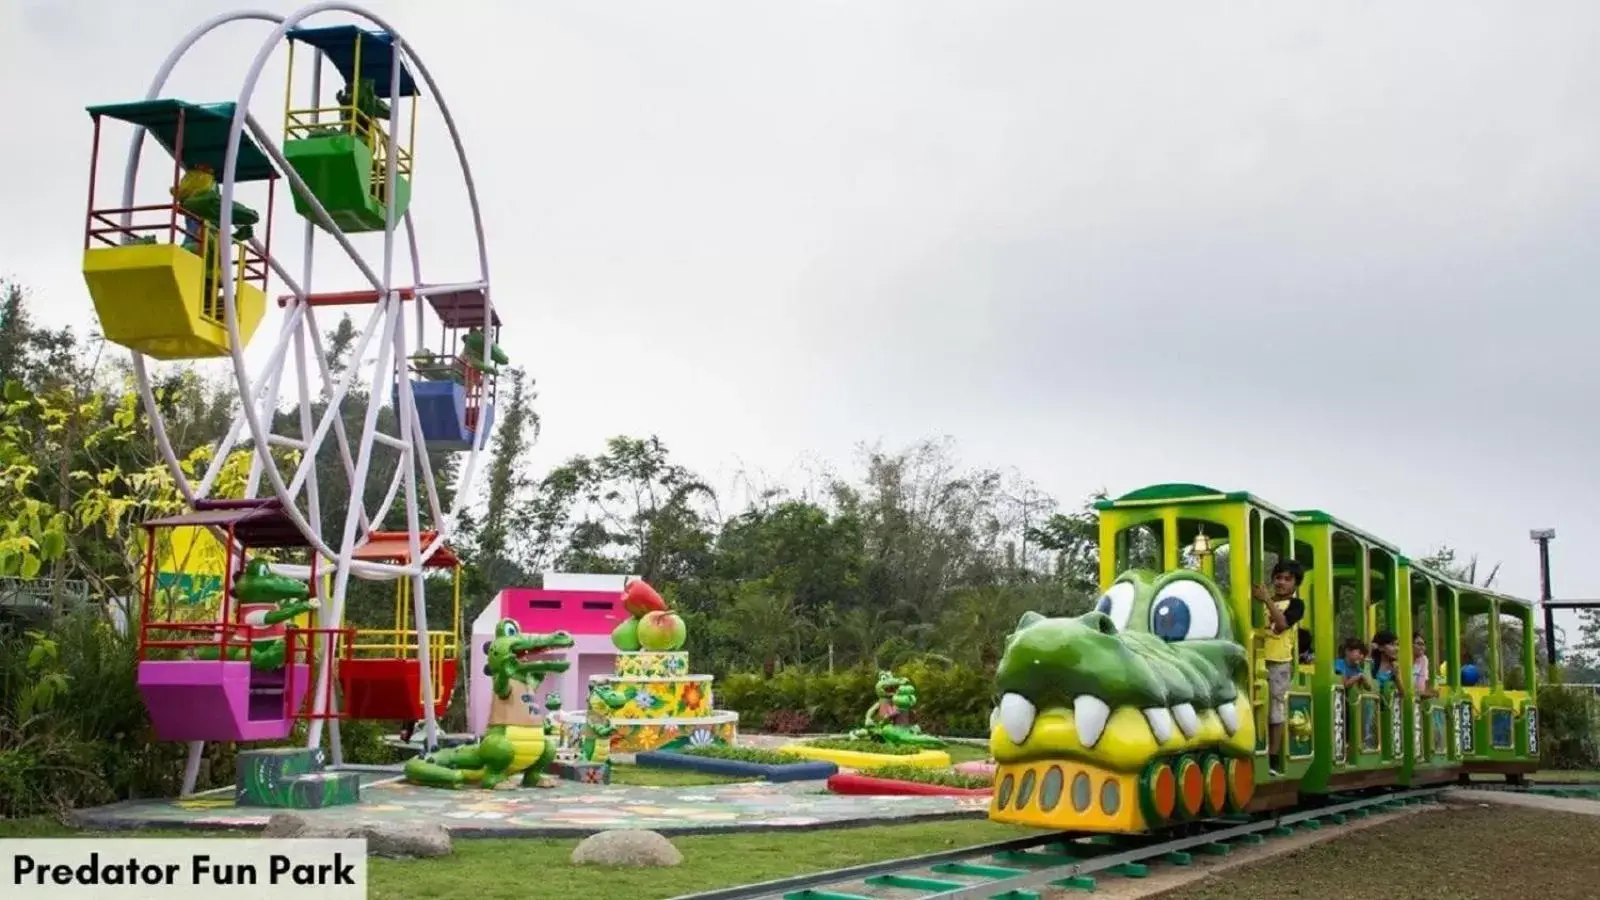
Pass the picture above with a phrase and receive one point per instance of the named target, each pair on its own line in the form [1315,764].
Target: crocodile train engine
[1128,718]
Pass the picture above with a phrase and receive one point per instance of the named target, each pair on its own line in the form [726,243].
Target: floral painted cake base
[647,664]
[681,697]
[639,735]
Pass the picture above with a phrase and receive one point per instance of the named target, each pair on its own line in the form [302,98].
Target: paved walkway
[1528,800]
[571,809]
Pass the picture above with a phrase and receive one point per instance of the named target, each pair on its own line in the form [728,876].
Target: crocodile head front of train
[1148,679]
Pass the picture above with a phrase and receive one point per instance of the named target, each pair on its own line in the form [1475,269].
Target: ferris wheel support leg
[191,767]
[307,429]
[419,454]
[341,578]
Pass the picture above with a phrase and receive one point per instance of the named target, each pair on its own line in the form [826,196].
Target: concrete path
[1530,801]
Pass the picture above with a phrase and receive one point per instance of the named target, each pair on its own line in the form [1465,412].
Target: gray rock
[630,847]
[396,840]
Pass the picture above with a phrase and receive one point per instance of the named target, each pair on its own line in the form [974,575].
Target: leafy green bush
[952,699]
[1567,728]
[745,754]
[74,730]
[863,747]
[942,777]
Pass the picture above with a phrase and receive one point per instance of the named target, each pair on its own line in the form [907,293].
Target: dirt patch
[1473,853]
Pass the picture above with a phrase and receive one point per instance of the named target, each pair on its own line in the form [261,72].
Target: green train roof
[1318,517]
[205,134]
[1179,492]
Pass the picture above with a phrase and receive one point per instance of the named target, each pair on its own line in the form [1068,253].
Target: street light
[1543,537]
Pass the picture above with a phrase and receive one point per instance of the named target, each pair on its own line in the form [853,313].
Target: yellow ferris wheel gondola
[154,270]
[381,678]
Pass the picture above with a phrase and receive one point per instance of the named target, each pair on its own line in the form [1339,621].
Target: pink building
[588,607]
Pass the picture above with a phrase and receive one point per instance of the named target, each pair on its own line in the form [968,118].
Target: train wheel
[1191,787]
[1215,774]
[1241,782]
[1158,794]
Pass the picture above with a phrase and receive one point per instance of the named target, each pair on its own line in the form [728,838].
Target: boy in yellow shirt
[1284,611]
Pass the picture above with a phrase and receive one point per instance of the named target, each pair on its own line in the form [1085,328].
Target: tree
[496,547]
[630,509]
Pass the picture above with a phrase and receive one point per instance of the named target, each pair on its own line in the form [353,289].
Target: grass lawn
[488,869]
[960,753]
[1464,854]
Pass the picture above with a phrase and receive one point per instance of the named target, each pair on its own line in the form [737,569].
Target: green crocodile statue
[888,719]
[597,727]
[516,741]
[257,584]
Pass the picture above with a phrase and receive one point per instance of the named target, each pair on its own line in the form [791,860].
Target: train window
[1448,639]
[1139,547]
[1477,642]
[1348,605]
[1381,591]
[1274,546]
[1513,675]
[1424,620]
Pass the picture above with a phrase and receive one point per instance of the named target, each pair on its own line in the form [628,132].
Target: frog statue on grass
[888,719]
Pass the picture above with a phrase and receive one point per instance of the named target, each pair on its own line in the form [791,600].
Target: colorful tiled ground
[570,809]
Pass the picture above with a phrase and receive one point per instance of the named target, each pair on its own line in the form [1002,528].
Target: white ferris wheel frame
[299,323]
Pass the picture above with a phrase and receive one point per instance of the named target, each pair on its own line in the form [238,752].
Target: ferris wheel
[185,270]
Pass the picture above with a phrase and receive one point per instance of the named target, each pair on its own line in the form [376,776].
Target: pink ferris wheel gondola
[228,698]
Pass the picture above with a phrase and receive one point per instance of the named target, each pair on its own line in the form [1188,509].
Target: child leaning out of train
[1352,665]
[1385,660]
[1420,682]
[1284,611]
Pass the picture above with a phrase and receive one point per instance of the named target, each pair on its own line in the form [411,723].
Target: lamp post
[1543,537]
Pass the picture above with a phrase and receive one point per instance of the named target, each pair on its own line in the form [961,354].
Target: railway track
[1023,868]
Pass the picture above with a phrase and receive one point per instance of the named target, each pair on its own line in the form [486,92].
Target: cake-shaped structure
[651,700]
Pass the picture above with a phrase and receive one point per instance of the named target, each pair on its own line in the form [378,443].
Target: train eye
[508,629]
[1117,602]
[1184,611]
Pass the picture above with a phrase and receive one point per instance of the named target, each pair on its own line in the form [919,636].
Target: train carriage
[1150,710]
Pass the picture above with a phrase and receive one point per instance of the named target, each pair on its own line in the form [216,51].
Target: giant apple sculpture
[662,630]
[653,626]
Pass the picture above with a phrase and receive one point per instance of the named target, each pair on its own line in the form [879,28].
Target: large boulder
[396,840]
[629,847]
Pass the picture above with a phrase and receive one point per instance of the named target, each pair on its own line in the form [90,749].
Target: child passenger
[1420,682]
[1283,611]
[1352,665]
[1385,653]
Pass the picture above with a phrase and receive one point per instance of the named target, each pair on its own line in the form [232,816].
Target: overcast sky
[1340,255]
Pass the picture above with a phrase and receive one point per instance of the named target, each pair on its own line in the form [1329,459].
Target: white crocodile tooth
[1188,721]
[1160,723]
[1016,717]
[1090,713]
[1229,714]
